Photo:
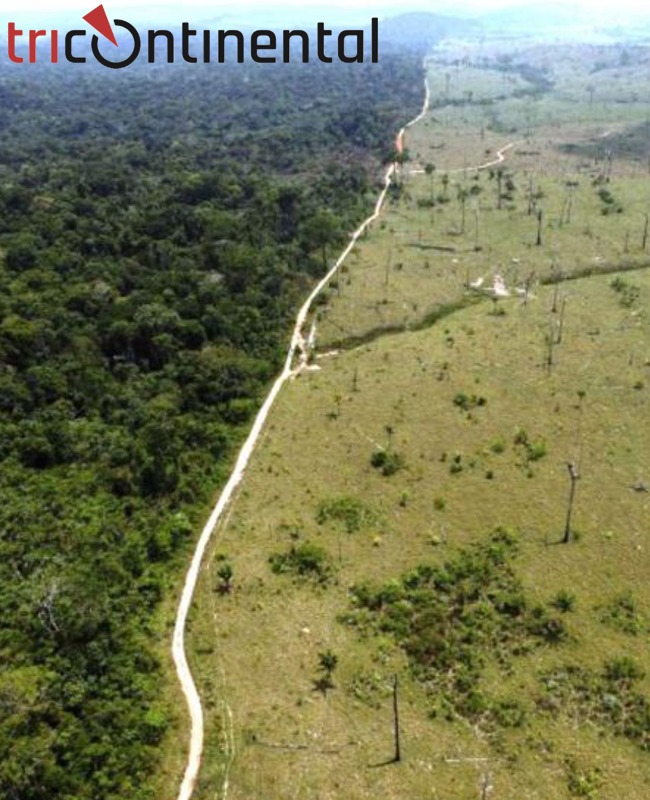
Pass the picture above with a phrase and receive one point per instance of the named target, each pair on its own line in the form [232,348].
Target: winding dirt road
[297,346]
[495,162]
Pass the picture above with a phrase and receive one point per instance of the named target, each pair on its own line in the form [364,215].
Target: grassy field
[521,678]
[420,256]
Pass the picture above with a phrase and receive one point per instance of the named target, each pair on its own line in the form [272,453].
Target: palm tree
[225,574]
[327,663]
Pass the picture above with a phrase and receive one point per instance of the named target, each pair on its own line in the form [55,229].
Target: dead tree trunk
[574,476]
[560,332]
[398,749]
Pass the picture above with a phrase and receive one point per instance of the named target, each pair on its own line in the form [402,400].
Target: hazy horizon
[304,12]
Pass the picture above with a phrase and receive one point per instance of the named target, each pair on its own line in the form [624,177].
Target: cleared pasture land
[476,418]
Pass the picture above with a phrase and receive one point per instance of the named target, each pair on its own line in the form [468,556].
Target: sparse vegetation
[350,512]
[472,640]
[609,699]
[622,613]
[453,619]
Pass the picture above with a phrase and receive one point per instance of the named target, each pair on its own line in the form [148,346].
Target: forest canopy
[157,229]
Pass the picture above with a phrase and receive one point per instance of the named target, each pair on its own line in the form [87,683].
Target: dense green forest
[157,230]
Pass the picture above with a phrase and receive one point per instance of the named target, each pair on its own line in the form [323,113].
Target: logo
[188,45]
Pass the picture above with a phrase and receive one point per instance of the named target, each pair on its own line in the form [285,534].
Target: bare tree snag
[574,477]
[398,749]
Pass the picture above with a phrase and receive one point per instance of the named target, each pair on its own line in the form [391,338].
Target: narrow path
[297,346]
[495,162]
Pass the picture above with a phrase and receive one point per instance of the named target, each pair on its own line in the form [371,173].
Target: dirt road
[296,347]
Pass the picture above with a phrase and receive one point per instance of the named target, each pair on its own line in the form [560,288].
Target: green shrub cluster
[609,699]
[388,462]
[622,613]
[468,402]
[529,451]
[350,512]
[610,204]
[452,619]
[628,293]
[305,560]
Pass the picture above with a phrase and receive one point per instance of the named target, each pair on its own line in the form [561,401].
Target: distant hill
[419,30]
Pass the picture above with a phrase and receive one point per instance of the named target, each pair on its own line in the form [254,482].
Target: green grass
[419,258]
[484,427]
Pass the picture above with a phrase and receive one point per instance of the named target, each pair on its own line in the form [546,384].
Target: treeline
[157,229]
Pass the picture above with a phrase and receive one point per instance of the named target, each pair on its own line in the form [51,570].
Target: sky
[293,11]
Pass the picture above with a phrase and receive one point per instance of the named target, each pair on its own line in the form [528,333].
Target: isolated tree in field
[528,283]
[574,477]
[549,340]
[430,171]
[556,292]
[498,174]
[462,195]
[531,197]
[390,431]
[581,401]
[225,573]
[560,329]
[567,208]
[445,185]
[327,663]
[477,245]
[397,757]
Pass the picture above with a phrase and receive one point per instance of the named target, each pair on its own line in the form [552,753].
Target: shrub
[541,624]
[450,619]
[608,699]
[468,402]
[583,783]
[349,511]
[564,601]
[622,613]
[629,294]
[305,560]
[535,451]
[327,663]
[623,669]
[456,466]
[225,573]
[387,461]
[531,451]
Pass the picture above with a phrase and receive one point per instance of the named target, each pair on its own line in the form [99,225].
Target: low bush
[388,462]
[349,512]
[452,619]
[305,561]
